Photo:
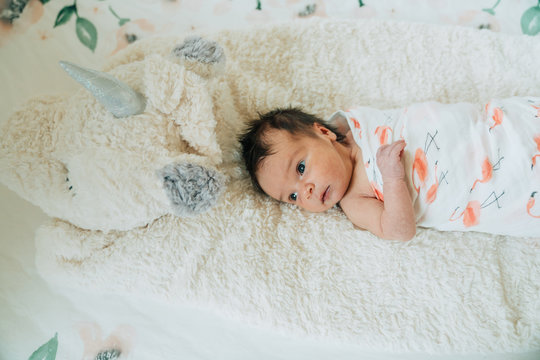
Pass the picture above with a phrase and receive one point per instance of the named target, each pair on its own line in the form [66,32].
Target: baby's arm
[394,218]
[397,219]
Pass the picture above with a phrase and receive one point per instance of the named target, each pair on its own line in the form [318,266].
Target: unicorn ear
[204,57]
[117,97]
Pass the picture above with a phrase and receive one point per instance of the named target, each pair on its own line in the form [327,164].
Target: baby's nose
[308,190]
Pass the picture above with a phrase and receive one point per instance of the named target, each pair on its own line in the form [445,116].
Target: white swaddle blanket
[468,167]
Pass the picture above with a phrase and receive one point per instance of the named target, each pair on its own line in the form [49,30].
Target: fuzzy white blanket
[315,274]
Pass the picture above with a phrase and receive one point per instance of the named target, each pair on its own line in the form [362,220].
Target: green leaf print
[46,351]
[121,21]
[492,9]
[87,33]
[530,20]
[64,15]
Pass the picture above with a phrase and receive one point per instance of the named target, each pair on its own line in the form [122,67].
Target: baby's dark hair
[293,120]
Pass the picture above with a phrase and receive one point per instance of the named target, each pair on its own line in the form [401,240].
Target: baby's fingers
[397,147]
[384,150]
[399,144]
[391,150]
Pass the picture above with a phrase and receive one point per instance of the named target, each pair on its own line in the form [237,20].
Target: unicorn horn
[119,98]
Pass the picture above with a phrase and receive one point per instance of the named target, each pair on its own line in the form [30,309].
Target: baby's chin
[325,207]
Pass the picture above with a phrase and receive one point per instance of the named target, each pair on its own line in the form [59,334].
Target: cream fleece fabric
[270,264]
[73,158]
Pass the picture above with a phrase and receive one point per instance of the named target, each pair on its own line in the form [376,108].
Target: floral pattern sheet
[36,34]
[123,23]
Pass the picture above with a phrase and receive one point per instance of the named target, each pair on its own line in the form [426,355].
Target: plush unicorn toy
[139,143]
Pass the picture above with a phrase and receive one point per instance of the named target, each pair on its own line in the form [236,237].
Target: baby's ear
[323,130]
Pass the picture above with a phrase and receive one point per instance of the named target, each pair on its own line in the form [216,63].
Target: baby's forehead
[274,137]
[280,143]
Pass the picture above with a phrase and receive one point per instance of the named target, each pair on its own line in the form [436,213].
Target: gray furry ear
[204,57]
[191,188]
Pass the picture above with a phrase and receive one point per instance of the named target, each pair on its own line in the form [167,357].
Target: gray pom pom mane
[191,188]
[201,50]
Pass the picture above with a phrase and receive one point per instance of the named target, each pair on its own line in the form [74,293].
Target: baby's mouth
[325,194]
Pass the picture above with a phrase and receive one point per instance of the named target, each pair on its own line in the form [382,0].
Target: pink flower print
[12,22]
[119,342]
[132,31]
[479,20]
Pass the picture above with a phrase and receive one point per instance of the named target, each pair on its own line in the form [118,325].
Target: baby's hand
[389,160]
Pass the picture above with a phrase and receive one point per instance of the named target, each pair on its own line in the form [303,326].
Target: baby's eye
[293,197]
[301,167]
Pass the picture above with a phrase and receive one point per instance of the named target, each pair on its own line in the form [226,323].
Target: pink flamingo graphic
[471,214]
[357,126]
[487,173]
[537,141]
[420,163]
[419,168]
[538,110]
[432,192]
[530,205]
[497,117]
[382,132]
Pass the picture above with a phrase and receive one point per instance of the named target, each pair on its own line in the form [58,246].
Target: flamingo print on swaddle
[468,167]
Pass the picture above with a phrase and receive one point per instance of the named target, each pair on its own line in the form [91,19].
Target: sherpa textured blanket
[468,166]
[273,265]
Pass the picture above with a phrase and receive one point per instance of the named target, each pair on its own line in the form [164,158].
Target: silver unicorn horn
[119,98]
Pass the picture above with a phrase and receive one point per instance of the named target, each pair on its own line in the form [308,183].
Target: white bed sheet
[31,312]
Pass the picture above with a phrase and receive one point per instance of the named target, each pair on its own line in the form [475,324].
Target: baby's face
[310,172]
